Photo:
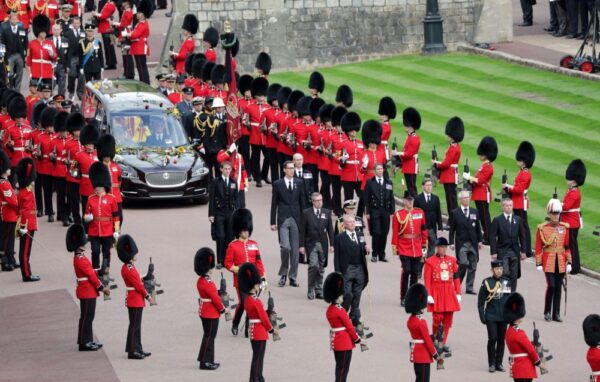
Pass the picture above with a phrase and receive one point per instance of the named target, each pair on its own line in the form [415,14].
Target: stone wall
[306,33]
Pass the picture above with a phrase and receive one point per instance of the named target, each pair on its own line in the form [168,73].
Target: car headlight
[199,170]
[128,172]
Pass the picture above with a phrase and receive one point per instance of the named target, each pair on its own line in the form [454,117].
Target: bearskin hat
[591,330]
[282,95]
[371,132]
[146,7]
[325,112]
[337,114]
[526,153]
[415,299]
[293,99]
[317,82]
[37,112]
[304,106]
[8,96]
[248,277]
[5,163]
[245,83]
[89,135]
[488,148]
[387,106]
[196,67]
[514,308]
[207,70]
[204,261]
[455,129]
[41,23]
[263,63]
[126,248]
[272,93]
[189,62]
[190,23]
[315,106]
[60,121]
[217,74]
[100,176]
[411,118]
[344,96]
[76,237]
[350,121]
[26,173]
[17,108]
[259,86]
[105,147]
[211,36]
[333,287]
[75,122]
[576,172]
[47,117]
[241,220]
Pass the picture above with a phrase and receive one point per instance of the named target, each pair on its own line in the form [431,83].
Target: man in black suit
[74,33]
[222,202]
[379,206]
[349,258]
[63,48]
[506,242]
[316,241]
[430,203]
[14,37]
[465,236]
[287,203]
[303,173]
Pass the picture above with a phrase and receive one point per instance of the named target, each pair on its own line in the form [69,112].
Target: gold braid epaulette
[546,241]
[214,125]
[198,124]
[43,8]
[403,223]
[89,46]
[13,4]
[491,292]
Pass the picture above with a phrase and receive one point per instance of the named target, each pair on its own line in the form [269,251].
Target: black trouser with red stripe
[574,248]
[39,195]
[422,371]
[98,244]
[258,356]
[207,348]
[239,310]
[411,184]
[25,254]
[325,189]
[342,364]
[451,199]
[273,164]
[110,57]
[60,185]
[128,67]
[142,68]
[7,233]
[73,201]
[483,214]
[554,282]
[410,273]
[336,194]
[87,307]
[47,180]
[244,149]
[134,332]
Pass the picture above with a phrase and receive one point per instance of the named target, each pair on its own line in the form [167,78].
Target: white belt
[595,373]
[413,341]
[129,288]
[255,321]
[384,142]
[519,355]
[4,203]
[416,156]
[82,279]
[254,124]
[335,330]
[352,162]
[573,210]
[454,165]
[85,175]
[205,300]
[19,148]
[41,61]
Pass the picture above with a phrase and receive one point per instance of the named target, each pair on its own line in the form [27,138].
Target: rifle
[307,143]
[435,172]
[274,129]
[274,317]
[225,298]
[343,161]
[504,193]
[321,147]
[150,282]
[396,161]
[53,155]
[172,62]
[540,349]
[466,184]
[105,278]
[438,343]
[291,138]
[330,150]
[596,233]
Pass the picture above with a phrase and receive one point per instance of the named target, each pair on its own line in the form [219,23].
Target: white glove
[88,218]
[430,300]
[81,71]
[466,176]
[538,268]
[233,147]
[569,268]
[263,284]
[365,161]
[202,151]
[124,33]
[23,232]
[458,297]
[345,157]
[116,235]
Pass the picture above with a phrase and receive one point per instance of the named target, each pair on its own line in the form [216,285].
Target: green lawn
[558,114]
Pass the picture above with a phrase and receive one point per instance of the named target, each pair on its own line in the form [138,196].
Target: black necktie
[380,182]
[353,237]
[290,186]
[300,174]
[466,212]
[318,213]
[427,198]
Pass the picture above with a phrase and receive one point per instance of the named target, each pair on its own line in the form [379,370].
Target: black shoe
[373,259]
[136,355]
[234,330]
[311,294]
[557,318]
[16,265]
[319,295]
[169,14]
[40,214]
[258,184]
[90,346]
[581,36]
[268,181]
[383,259]
[571,36]
[31,279]
[402,302]
[97,344]
[71,220]
[500,368]
[559,34]
[219,266]
[66,223]
[525,24]
[471,291]
[146,354]
[492,369]
[209,366]
[547,317]
[50,218]
[7,268]
[282,281]
[294,283]
[549,29]
[302,259]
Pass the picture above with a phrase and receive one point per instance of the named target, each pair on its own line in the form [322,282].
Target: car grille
[166,179]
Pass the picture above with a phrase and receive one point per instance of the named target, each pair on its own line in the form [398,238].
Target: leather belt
[102,219]
[411,236]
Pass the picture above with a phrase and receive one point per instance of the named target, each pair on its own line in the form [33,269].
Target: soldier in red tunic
[443,285]
[45,7]
[591,334]
[41,53]
[106,148]
[44,169]
[455,131]
[422,349]
[18,133]
[249,279]
[242,250]
[481,183]
[244,101]
[263,64]
[88,286]
[88,137]
[337,139]
[106,29]
[342,335]
[210,39]
[371,137]
[101,214]
[344,97]
[525,157]
[26,175]
[272,134]
[351,157]
[305,140]
[75,122]
[316,84]
[409,156]
[409,241]
[8,215]
[126,23]
[523,358]
[256,115]
[58,156]
[211,307]
[552,255]
[31,98]
[314,148]
[136,294]
[571,208]
[290,118]
[387,111]
[140,48]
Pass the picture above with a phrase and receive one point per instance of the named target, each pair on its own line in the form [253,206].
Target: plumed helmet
[387,106]
[207,70]
[146,7]
[217,75]
[204,261]
[455,129]
[337,114]
[197,66]
[76,237]
[333,287]
[282,95]
[60,121]
[75,122]
[350,122]
[303,107]
[488,148]
[245,83]
[526,153]
[576,172]
[26,173]
[41,23]
[190,23]
[371,132]
[36,112]
[554,206]
[344,96]
[263,63]
[106,146]
[272,93]
[5,163]
[259,86]
[415,299]
[293,99]
[248,277]
[514,308]
[100,176]
[411,118]
[241,220]
[315,106]
[17,108]
[47,117]
[89,135]
[126,248]
[317,82]
[591,330]
[325,112]
[211,36]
